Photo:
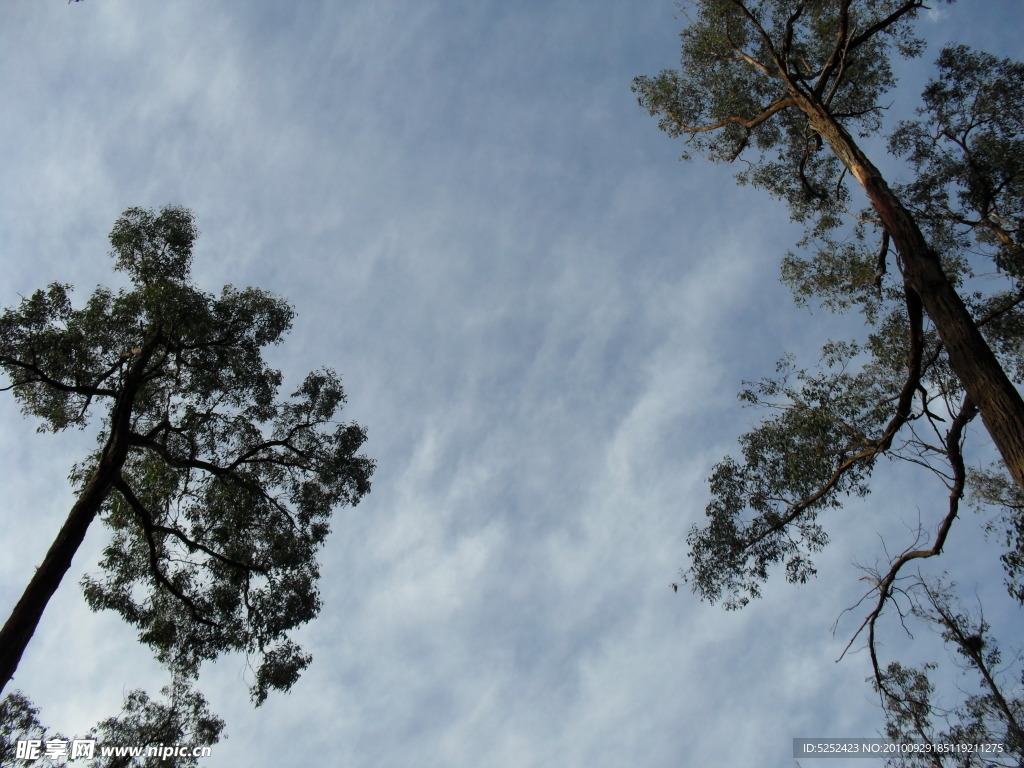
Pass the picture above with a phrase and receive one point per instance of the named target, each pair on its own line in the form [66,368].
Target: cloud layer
[540,316]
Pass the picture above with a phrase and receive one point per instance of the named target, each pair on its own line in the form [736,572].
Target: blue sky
[540,315]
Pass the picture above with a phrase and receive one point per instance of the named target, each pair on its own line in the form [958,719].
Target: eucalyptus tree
[781,81]
[990,718]
[785,79]
[791,88]
[180,719]
[217,496]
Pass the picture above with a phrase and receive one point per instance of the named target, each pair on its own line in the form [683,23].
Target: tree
[821,68]
[217,496]
[19,719]
[790,77]
[182,719]
[785,86]
[991,714]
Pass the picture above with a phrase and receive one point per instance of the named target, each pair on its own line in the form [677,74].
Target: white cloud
[540,316]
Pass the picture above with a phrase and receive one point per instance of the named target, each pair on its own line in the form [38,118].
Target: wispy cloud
[540,316]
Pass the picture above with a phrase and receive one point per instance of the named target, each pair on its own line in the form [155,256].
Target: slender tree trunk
[983,378]
[22,623]
[18,631]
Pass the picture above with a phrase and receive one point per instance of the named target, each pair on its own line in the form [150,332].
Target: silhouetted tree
[217,495]
[790,87]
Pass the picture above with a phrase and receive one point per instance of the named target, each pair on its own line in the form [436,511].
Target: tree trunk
[22,623]
[24,619]
[983,378]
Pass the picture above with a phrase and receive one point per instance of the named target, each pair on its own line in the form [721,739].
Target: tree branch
[838,55]
[213,469]
[42,378]
[154,560]
[884,442]
[968,410]
[880,26]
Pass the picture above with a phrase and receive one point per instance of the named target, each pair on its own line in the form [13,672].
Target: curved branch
[196,546]
[743,54]
[787,42]
[42,378]
[954,440]
[216,470]
[880,264]
[765,38]
[880,26]
[974,653]
[838,56]
[915,314]
[154,560]
[776,106]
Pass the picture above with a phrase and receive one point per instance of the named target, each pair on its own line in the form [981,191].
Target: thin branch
[195,545]
[839,52]
[787,42]
[905,400]
[42,378]
[228,473]
[881,25]
[767,112]
[154,560]
[766,39]
[740,52]
[880,264]
[977,657]
[954,440]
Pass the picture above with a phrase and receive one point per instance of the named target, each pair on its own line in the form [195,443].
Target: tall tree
[783,80]
[217,496]
[786,78]
[787,85]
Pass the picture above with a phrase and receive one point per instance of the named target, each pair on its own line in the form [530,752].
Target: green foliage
[993,489]
[182,719]
[992,708]
[967,191]
[234,516]
[220,494]
[19,719]
[968,156]
[817,448]
[774,83]
[731,92]
[892,393]
[153,248]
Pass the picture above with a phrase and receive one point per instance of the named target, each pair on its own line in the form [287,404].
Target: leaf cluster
[968,156]
[741,64]
[817,448]
[182,718]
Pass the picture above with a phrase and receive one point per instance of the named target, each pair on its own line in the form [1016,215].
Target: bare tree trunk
[25,617]
[983,378]
[22,623]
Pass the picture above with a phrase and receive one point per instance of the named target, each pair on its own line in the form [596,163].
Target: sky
[540,315]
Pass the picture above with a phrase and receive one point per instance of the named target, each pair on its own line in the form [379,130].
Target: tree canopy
[181,719]
[216,494]
[787,79]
